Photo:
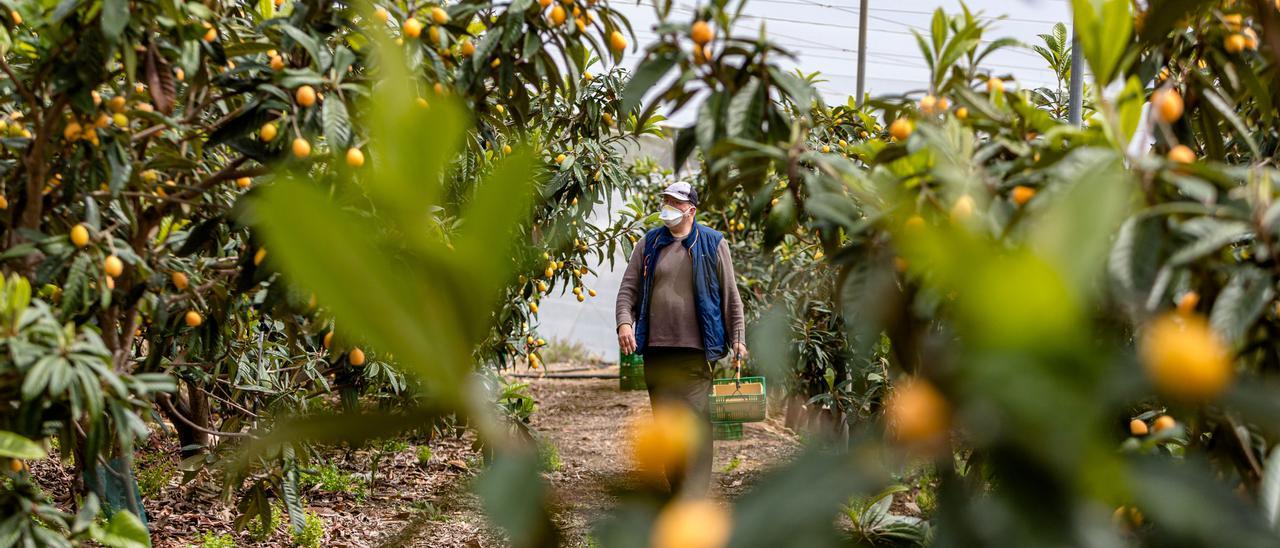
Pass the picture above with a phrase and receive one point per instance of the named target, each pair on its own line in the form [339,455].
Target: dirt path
[421,495]
[586,420]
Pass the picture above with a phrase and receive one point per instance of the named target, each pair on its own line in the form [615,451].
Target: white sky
[824,36]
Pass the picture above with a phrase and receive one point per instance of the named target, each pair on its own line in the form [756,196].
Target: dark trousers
[682,376]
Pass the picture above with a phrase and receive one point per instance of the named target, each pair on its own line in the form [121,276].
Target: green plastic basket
[726,430]
[738,400]
[631,372]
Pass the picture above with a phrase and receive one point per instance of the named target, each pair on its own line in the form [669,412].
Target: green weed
[214,540]
[734,463]
[312,531]
[549,455]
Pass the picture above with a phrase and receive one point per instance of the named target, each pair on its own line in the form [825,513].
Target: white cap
[682,191]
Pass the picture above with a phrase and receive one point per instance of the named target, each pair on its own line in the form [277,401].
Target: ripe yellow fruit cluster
[1182,154]
[1022,194]
[1185,359]
[692,523]
[1187,303]
[701,33]
[1138,428]
[113,267]
[1168,104]
[80,235]
[86,131]
[412,28]
[901,129]
[962,209]
[305,96]
[617,42]
[667,441]
[355,158]
[917,413]
[577,291]
[930,105]
[301,147]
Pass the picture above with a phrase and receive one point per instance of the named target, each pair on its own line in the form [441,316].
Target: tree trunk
[193,409]
[795,412]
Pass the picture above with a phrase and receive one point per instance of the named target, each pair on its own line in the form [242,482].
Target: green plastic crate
[738,400]
[726,430]
[631,372]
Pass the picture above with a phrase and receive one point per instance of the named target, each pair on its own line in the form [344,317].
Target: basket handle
[737,370]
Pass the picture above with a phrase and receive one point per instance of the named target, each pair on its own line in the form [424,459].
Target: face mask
[670,216]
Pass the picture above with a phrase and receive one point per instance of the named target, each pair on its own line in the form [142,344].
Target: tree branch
[165,403]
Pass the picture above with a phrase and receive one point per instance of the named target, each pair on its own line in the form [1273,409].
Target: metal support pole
[1075,112]
[862,50]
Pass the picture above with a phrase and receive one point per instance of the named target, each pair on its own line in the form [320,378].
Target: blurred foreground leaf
[805,496]
[513,494]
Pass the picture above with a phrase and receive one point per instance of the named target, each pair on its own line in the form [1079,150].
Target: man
[678,305]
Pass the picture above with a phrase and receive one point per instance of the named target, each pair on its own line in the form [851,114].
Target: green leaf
[1134,258]
[337,126]
[802,495]
[512,491]
[333,253]
[76,292]
[925,50]
[1130,103]
[486,45]
[1229,114]
[1164,15]
[292,499]
[744,114]
[1269,490]
[1193,506]
[1104,28]
[124,530]
[342,59]
[500,203]
[240,49]
[313,47]
[706,126]
[15,446]
[115,16]
[120,167]
[532,45]
[1076,231]
[1217,234]
[938,29]
[1241,303]
[645,77]
[87,513]
[37,378]
[797,89]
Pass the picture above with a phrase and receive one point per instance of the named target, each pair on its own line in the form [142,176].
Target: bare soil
[429,503]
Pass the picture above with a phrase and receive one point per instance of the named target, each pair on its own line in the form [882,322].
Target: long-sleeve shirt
[673,320]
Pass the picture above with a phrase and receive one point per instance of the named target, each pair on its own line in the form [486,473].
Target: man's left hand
[740,350]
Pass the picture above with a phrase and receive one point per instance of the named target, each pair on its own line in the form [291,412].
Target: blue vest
[703,244]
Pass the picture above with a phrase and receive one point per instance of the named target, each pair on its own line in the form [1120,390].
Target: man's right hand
[627,339]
